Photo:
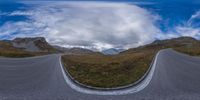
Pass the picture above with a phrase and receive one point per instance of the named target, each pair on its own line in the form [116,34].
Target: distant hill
[39,44]
[184,44]
[112,51]
[181,41]
[74,50]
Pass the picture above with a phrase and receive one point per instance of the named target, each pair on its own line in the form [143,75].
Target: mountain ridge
[39,44]
[180,42]
[112,51]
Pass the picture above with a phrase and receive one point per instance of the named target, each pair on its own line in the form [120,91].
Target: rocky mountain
[37,44]
[22,47]
[112,51]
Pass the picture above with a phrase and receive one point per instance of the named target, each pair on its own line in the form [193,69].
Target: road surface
[175,77]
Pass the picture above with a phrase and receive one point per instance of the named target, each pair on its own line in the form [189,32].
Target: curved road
[175,76]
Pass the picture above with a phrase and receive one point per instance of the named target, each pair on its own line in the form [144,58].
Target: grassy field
[108,71]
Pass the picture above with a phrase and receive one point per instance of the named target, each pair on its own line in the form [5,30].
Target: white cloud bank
[93,25]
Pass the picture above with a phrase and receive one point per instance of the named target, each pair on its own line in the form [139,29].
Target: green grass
[193,51]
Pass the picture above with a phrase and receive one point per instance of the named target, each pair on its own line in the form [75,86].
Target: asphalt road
[175,77]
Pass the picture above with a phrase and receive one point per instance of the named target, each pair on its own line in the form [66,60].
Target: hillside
[7,50]
[182,44]
[37,44]
[125,68]
[26,47]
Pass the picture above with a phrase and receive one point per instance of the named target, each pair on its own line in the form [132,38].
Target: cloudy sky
[100,25]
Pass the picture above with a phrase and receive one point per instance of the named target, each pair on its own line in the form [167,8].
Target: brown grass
[108,71]
[7,50]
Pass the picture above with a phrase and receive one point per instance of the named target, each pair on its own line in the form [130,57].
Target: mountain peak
[112,51]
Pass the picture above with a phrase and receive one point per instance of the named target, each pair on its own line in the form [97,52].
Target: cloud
[191,27]
[20,13]
[92,25]
[193,17]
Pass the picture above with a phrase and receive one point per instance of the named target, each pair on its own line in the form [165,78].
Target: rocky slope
[37,44]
